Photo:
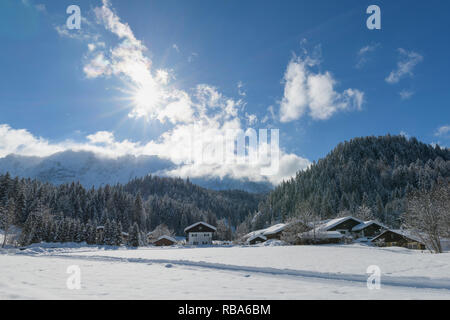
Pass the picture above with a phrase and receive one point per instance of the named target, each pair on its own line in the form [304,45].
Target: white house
[199,233]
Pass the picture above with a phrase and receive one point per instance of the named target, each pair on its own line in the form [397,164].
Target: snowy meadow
[222,272]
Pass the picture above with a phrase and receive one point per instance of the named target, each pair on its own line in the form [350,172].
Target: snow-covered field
[258,272]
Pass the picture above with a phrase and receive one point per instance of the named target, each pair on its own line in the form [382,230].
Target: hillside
[49,211]
[373,171]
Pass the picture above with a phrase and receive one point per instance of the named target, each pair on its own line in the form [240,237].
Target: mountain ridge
[93,170]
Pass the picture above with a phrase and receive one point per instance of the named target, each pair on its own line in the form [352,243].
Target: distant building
[165,241]
[257,238]
[321,237]
[343,225]
[398,238]
[368,229]
[199,233]
[272,232]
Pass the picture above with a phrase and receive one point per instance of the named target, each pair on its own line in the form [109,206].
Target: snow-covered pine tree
[134,236]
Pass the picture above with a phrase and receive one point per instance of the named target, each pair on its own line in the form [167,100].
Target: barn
[368,229]
[257,238]
[321,237]
[398,238]
[199,233]
[164,241]
[343,225]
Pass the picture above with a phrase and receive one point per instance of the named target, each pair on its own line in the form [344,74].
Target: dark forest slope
[375,171]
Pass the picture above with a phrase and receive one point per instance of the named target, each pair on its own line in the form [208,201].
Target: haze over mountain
[93,170]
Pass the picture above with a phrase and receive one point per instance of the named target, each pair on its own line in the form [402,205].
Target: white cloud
[405,66]
[363,52]
[98,66]
[442,131]
[203,109]
[314,92]
[192,57]
[101,137]
[406,94]
[241,90]
[175,47]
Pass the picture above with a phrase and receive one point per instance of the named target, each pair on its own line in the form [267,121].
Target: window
[195,243]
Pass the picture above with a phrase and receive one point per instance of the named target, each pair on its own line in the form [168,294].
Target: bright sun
[147,97]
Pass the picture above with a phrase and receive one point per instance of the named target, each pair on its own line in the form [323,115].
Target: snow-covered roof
[167,238]
[365,224]
[200,222]
[255,236]
[125,233]
[402,232]
[329,224]
[268,231]
[321,235]
[100,227]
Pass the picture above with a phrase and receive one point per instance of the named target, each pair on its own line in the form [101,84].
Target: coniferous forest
[375,173]
[72,213]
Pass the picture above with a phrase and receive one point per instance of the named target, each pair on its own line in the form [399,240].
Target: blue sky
[312,69]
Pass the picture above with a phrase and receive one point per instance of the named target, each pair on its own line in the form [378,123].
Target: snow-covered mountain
[92,170]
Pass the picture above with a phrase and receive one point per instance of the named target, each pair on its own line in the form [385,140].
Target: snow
[255,236]
[233,272]
[200,222]
[91,169]
[365,224]
[268,231]
[320,234]
[167,238]
[327,225]
[404,233]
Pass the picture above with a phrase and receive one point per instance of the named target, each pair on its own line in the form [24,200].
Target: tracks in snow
[409,282]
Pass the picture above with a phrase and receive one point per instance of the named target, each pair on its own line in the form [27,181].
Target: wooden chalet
[368,229]
[165,241]
[398,238]
[257,238]
[199,233]
[343,225]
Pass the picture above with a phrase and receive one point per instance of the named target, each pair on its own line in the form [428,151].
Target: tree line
[71,212]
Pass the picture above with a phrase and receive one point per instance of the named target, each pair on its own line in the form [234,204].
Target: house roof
[366,224]
[320,234]
[403,233]
[256,236]
[329,224]
[267,231]
[167,238]
[100,227]
[198,223]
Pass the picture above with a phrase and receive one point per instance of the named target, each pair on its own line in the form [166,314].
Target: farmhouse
[321,237]
[398,238]
[199,233]
[272,232]
[257,238]
[368,229]
[344,225]
[164,241]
